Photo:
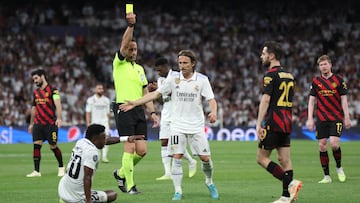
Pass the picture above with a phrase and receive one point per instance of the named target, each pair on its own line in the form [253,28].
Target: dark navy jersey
[328,93]
[280,85]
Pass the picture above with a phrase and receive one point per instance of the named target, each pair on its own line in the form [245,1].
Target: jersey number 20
[284,97]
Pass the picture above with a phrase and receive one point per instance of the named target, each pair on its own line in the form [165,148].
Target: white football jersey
[71,185]
[187,115]
[99,108]
[166,110]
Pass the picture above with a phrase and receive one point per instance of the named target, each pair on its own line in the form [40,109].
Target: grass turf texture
[237,176]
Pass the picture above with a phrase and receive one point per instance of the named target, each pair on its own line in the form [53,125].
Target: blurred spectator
[227,49]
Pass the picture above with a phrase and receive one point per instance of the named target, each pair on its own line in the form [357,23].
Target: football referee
[130,84]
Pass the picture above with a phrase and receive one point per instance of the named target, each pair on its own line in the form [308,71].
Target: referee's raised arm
[128,34]
[130,81]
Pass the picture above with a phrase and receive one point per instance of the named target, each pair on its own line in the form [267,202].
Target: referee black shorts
[132,122]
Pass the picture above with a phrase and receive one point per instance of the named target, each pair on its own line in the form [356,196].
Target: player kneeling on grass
[75,186]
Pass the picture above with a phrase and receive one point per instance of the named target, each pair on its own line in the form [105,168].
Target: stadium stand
[76,43]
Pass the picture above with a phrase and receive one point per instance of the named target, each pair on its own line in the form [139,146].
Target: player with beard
[45,121]
[130,83]
[273,125]
[98,111]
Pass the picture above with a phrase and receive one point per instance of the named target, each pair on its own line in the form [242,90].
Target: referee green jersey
[129,79]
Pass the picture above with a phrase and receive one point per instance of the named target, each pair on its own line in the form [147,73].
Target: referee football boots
[134,191]
[121,181]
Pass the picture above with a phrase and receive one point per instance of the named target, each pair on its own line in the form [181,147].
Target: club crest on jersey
[47,94]
[197,88]
[177,81]
[334,84]
[267,80]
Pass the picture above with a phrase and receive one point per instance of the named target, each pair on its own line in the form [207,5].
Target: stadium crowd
[226,37]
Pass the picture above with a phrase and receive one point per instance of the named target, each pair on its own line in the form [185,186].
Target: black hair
[94,130]
[38,72]
[275,48]
[161,61]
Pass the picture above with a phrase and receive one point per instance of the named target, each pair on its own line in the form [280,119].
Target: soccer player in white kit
[98,111]
[187,89]
[75,185]
[163,69]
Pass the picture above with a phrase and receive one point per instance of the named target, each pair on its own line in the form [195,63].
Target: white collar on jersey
[193,77]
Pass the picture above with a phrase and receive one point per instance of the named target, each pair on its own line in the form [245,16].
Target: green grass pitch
[236,174]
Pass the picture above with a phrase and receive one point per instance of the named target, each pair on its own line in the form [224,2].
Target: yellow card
[129,8]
